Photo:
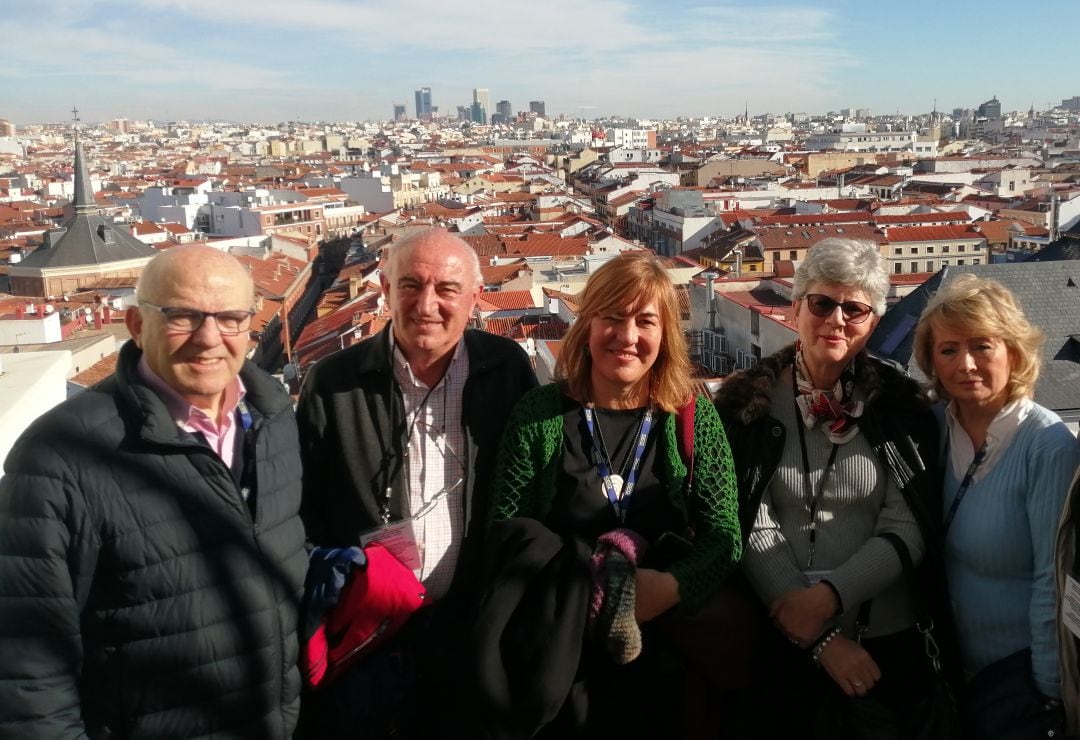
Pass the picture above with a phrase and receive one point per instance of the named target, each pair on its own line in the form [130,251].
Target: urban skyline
[612,57]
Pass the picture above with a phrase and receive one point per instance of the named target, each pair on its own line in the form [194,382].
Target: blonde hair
[633,279]
[982,308]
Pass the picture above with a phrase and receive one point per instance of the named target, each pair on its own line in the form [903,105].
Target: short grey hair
[395,254]
[849,262]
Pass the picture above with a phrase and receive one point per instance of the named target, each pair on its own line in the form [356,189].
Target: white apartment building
[864,141]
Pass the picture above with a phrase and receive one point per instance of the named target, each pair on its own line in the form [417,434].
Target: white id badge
[816,576]
[1070,605]
[399,538]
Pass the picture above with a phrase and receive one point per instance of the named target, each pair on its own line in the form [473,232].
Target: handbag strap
[684,428]
[862,621]
[923,621]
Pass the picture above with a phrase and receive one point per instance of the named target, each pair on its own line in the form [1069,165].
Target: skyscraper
[423,104]
[537,107]
[482,97]
[399,112]
[990,109]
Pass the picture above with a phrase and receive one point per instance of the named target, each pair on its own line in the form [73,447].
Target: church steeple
[84,192]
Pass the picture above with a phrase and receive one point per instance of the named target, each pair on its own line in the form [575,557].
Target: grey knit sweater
[859,500]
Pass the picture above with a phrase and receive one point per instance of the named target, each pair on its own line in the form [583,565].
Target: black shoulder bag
[931,715]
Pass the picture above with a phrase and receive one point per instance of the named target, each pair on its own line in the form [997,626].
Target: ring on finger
[857,684]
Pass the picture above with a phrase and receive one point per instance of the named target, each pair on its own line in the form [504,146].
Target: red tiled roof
[507,300]
[812,219]
[779,237]
[897,234]
[97,372]
[914,219]
[544,245]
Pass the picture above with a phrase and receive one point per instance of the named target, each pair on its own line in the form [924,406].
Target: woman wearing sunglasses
[1007,466]
[829,447]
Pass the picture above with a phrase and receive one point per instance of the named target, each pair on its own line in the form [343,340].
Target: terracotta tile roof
[486,245]
[780,237]
[568,299]
[808,219]
[897,234]
[497,274]
[913,219]
[507,300]
[523,327]
[274,275]
[99,371]
[545,245]
[999,232]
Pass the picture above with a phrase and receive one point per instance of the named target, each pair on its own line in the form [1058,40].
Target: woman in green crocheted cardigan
[596,457]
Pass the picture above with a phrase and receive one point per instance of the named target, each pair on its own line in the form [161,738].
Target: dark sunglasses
[823,307]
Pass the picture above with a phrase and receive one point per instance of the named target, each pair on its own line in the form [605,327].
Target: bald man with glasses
[151,551]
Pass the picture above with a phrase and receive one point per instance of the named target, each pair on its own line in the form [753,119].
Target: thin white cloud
[278,55]
[476,25]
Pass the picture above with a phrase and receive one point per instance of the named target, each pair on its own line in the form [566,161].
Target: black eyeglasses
[188,320]
[823,307]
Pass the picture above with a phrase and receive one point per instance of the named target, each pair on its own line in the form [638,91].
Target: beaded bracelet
[819,647]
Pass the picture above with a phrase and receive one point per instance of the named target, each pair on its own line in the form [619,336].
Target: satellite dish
[49,308]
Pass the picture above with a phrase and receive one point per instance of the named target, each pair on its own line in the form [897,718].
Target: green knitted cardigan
[528,463]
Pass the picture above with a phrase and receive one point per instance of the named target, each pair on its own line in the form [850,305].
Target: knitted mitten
[611,608]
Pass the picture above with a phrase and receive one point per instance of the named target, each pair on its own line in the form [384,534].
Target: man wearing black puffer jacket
[151,553]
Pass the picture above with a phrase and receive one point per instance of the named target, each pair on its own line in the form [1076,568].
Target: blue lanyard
[620,500]
[965,484]
[245,416]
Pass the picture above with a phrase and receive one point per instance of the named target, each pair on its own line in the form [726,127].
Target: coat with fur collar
[897,421]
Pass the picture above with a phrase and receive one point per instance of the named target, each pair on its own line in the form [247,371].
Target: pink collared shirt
[220,437]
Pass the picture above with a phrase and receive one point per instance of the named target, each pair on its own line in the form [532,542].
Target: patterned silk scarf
[828,406]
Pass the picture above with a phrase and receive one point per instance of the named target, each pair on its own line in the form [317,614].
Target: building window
[897,267]
[929,249]
[898,251]
[961,248]
[944,263]
[914,267]
[914,250]
[975,261]
[945,249]
[929,266]
[793,255]
[974,247]
[959,262]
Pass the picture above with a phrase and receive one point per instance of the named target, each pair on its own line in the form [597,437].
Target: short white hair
[852,263]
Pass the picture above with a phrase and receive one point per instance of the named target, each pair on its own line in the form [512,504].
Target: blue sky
[276,60]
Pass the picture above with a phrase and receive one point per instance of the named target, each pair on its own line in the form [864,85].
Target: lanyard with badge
[612,485]
[399,537]
[965,484]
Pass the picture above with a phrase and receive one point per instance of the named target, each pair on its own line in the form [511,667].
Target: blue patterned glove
[328,570]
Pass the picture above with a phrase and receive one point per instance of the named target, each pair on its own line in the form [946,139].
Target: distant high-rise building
[399,112]
[477,113]
[481,96]
[464,113]
[537,107]
[1072,103]
[7,128]
[503,108]
[990,109]
[423,104]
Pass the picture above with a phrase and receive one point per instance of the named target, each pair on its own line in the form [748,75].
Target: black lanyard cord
[965,484]
[811,496]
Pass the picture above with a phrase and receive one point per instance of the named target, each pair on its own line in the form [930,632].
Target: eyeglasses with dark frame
[189,320]
[823,307]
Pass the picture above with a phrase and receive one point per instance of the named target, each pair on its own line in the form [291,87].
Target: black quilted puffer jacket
[140,597]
